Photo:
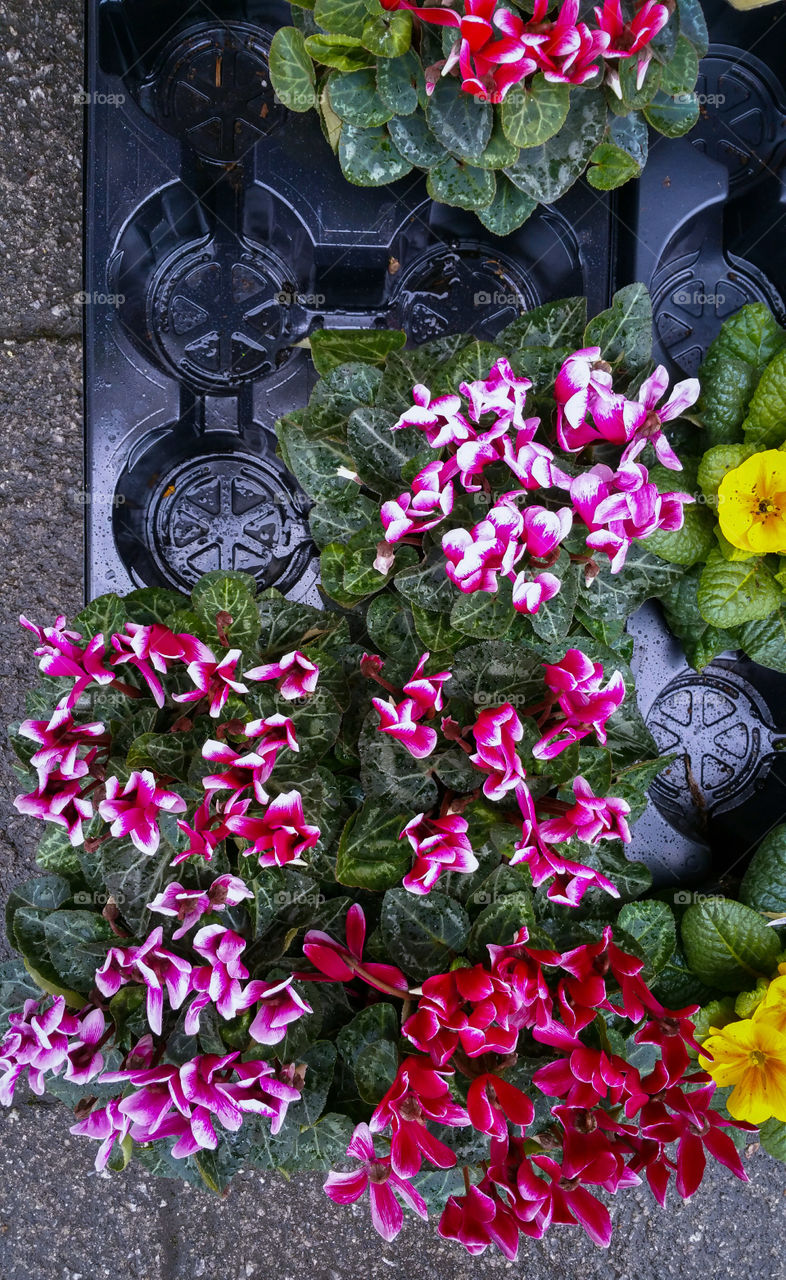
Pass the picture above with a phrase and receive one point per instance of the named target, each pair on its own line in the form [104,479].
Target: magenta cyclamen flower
[208,830]
[475,556]
[133,809]
[279,1004]
[214,681]
[585,705]
[341,962]
[279,835]
[60,739]
[151,965]
[106,1125]
[440,420]
[496,732]
[61,655]
[501,393]
[531,591]
[419,1095]
[58,800]
[295,674]
[424,506]
[568,881]
[189,905]
[583,377]
[426,691]
[592,818]
[377,1177]
[37,1040]
[401,721]
[653,389]
[440,844]
[148,649]
[217,982]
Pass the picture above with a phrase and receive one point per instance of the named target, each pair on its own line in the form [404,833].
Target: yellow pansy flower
[751,1055]
[752,503]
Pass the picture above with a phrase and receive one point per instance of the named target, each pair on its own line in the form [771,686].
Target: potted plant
[503,109]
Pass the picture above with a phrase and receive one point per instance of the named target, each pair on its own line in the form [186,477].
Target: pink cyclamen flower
[627,38]
[543,530]
[501,393]
[184,1102]
[573,672]
[420,1094]
[493,1101]
[149,964]
[591,818]
[279,1004]
[253,769]
[532,463]
[475,557]
[583,377]
[279,835]
[401,722]
[426,691]
[684,394]
[85,1059]
[341,962]
[207,832]
[214,681]
[496,732]
[424,506]
[467,1007]
[149,650]
[377,1177]
[61,655]
[59,800]
[296,675]
[106,1125]
[585,711]
[133,809]
[37,1041]
[530,592]
[440,419]
[439,844]
[571,51]
[189,905]
[568,880]
[478,1219]
[217,982]
[59,741]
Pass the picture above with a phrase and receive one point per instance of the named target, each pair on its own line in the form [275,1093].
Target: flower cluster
[611,1121]
[577,704]
[495,48]
[483,434]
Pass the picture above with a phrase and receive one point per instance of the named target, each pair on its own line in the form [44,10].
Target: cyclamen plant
[503,108]
[475,1025]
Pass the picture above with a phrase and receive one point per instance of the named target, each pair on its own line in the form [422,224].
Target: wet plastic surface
[221,232]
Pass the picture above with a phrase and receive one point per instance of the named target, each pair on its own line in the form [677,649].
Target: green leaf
[731,593]
[727,944]
[380,453]
[555,324]
[414,140]
[435,632]
[484,616]
[370,854]
[16,986]
[682,70]
[765,640]
[693,24]
[532,115]
[772,1136]
[463,185]
[554,618]
[56,854]
[651,925]
[291,70]
[370,1026]
[611,167]
[389,34]
[341,17]
[509,209]
[630,134]
[732,367]
[715,464]
[546,172]
[401,84]
[690,544]
[354,97]
[369,158]
[375,1069]
[153,604]
[676,986]
[617,595]
[500,922]
[672,115]
[333,347]
[344,53]
[389,772]
[765,425]
[764,884]
[461,122]
[228,592]
[427,584]
[624,332]
[134,878]
[499,152]
[102,616]
[78,942]
[423,934]
[391,627]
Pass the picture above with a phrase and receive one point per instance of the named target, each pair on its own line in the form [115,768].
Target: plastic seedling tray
[220,232]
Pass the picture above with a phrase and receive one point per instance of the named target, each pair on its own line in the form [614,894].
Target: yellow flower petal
[752,503]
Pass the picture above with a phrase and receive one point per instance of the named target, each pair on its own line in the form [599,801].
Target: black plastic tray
[220,232]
